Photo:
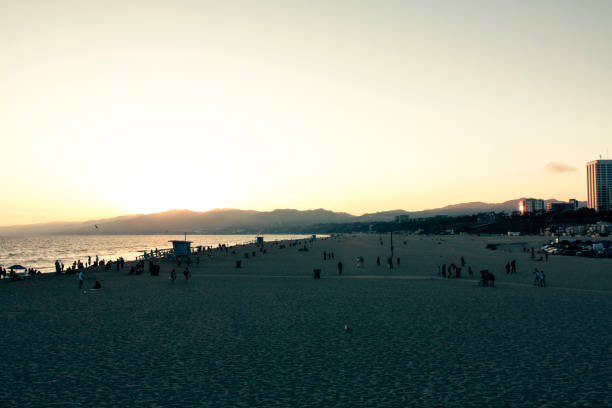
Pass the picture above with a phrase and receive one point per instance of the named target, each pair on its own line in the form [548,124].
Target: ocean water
[40,252]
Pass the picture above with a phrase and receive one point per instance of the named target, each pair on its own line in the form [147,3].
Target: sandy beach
[268,334]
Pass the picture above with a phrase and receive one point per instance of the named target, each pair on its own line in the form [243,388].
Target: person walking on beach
[186,273]
[513,265]
[173,275]
[339,268]
[80,279]
[378,261]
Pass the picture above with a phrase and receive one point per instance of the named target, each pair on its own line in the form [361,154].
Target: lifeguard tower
[181,248]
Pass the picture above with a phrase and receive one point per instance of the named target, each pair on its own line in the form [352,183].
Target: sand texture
[269,334]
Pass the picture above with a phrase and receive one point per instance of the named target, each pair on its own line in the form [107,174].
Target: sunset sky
[111,108]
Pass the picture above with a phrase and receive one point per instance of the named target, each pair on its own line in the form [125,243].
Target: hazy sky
[110,108]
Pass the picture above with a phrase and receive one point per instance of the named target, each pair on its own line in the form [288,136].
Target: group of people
[77,265]
[186,274]
[81,277]
[511,267]
[12,275]
[539,278]
[328,255]
[453,271]
[33,271]
[389,261]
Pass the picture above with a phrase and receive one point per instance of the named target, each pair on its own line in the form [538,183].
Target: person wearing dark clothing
[186,273]
[398,261]
[378,260]
[339,268]
[462,262]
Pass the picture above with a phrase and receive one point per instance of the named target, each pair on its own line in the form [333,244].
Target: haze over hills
[227,221]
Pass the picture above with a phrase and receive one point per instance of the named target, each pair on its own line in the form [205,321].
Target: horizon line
[261,211]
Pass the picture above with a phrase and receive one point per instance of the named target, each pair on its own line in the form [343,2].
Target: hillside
[227,221]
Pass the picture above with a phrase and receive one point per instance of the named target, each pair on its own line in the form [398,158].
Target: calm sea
[40,252]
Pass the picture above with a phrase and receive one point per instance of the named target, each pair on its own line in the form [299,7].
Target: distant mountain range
[233,221]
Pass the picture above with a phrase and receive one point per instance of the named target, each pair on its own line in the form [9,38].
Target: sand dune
[269,335]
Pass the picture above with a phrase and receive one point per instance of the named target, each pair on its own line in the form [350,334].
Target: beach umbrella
[16,267]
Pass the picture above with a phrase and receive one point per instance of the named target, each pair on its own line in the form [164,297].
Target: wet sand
[268,334]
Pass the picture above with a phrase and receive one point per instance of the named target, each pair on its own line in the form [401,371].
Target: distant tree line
[482,223]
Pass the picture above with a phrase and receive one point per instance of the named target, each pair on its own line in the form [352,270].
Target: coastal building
[530,206]
[599,185]
[574,204]
[400,219]
[571,205]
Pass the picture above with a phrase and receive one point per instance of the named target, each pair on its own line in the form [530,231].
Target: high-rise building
[531,205]
[599,185]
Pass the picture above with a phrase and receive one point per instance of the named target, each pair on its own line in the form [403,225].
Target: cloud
[555,167]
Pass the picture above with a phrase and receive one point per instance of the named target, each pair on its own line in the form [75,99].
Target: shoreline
[118,251]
